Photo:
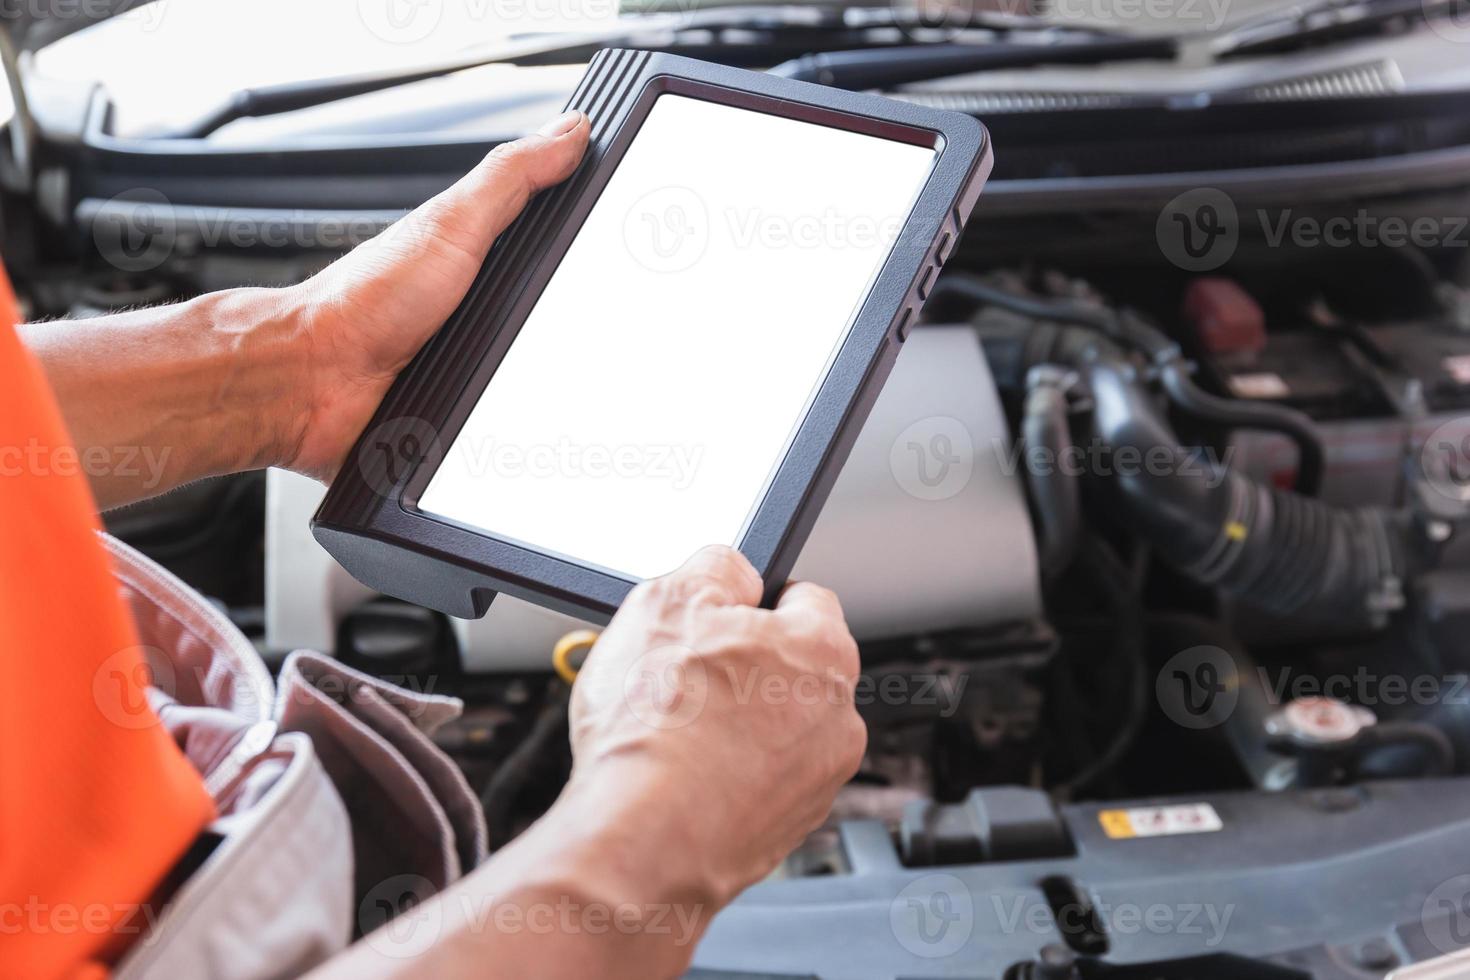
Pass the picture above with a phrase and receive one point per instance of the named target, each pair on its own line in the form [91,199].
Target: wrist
[342,376]
[264,373]
[632,822]
[624,880]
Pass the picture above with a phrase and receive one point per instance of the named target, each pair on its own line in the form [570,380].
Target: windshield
[171,59]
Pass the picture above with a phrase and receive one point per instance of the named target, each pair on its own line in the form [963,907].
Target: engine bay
[1153,544]
[1119,580]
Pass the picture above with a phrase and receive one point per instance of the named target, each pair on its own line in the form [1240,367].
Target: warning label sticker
[1262,385]
[1160,821]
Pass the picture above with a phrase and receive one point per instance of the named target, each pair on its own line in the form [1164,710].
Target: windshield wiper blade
[1329,23]
[884,68]
[269,100]
[651,31]
[805,26]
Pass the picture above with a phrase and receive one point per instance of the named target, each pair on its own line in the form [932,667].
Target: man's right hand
[709,737]
[745,716]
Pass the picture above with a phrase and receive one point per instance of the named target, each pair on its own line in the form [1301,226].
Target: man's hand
[246,378]
[709,737]
[745,714]
[371,311]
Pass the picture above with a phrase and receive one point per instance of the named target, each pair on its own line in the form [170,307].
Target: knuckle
[802,628]
[813,621]
[728,565]
[503,153]
[816,596]
[709,593]
[823,595]
[697,590]
[824,635]
[506,165]
[712,582]
[645,594]
[450,224]
[674,592]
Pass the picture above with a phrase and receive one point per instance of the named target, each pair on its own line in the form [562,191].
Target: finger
[812,610]
[512,172]
[476,209]
[808,598]
[724,568]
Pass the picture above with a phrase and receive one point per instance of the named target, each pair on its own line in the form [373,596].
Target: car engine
[1154,544]
[1164,563]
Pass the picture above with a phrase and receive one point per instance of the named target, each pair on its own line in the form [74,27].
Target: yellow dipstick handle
[561,654]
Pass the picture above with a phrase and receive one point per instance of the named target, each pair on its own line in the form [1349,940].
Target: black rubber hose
[1182,391]
[1122,586]
[1169,496]
[1434,746]
[1234,413]
[1053,488]
[975,290]
[1281,552]
[512,775]
[1128,330]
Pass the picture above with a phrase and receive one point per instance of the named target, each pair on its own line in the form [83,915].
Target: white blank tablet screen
[651,394]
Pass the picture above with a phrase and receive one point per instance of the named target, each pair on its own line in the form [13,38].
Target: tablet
[673,348]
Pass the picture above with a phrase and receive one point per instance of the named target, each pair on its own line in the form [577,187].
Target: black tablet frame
[369,520]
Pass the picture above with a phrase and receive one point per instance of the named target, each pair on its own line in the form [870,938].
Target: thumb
[489,198]
[468,216]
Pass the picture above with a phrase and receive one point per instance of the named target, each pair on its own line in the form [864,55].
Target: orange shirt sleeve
[96,801]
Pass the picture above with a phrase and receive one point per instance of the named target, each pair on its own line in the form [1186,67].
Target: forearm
[158,397]
[252,377]
[607,884]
